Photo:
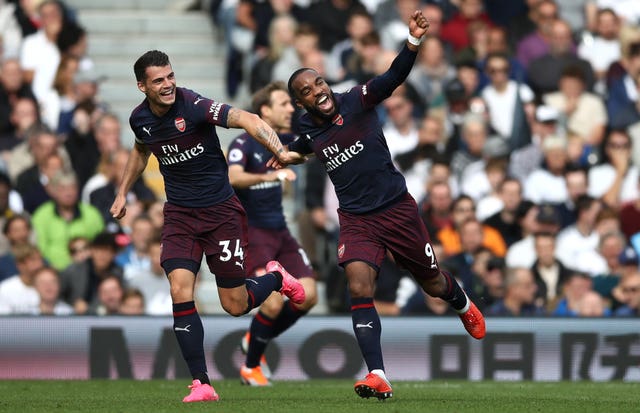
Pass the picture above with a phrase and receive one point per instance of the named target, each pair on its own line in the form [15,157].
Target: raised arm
[137,162]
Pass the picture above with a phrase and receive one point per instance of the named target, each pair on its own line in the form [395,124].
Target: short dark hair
[262,97]
[293,78]
[105,240]
[150,58]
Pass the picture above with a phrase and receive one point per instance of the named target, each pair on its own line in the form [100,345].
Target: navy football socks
[259,288]
[264,328]
[454,294]
[367,328]
[187,326]
[261,331]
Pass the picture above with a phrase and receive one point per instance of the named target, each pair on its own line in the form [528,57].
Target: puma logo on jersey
[148,130]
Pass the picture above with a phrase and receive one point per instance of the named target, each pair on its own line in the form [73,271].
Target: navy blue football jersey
[354,152]
[263,201]
[187,147]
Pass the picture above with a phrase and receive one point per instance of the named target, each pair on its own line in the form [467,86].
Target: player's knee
[435,287]
[311,299]
[181,293]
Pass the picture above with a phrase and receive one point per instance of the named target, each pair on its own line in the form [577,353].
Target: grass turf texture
[318,396]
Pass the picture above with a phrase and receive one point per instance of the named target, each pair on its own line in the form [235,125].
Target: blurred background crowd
[518,132]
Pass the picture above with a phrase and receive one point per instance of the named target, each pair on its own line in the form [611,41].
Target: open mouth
[324,103]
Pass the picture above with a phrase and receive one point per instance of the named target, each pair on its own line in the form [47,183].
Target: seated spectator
[463,208]
[603,48]
[79,281]
[546,184]
[583,112]
[17,293]
[576,182]
[505,220]
[630,287]
[102,197]
[109,296]
[505,96]
[47,284]
[455,30]
[544,72]
[474,137]
[79,249]
[461,263]
[62,218]
[579,242]
[7,210]
[23,116]
[519,297]
[132,302]
[17,231]
[135,257]
[532,219]
[482,185]
[525,160]
[436,208]
[39,54]
[573,290]
[608,284]
[536,43]
[31,184]
[615,180]
[549,272]
[593,305]
[400,128]
[12,90]
[622,97]
[490,273]
[152,282]
[431,71]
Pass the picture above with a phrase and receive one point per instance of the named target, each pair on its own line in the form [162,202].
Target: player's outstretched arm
[263,133]
[138,159]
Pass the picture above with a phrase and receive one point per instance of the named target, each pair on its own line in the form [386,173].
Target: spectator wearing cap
[79,281]
[62,218]
[527,159]
[581,239]
[532,219]
[546,184]
[615,180]
[549,272]
[583,112]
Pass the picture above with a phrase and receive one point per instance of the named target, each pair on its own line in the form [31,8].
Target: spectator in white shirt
[47,284]
[578,243]
[17,294]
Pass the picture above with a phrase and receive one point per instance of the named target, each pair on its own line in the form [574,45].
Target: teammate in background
[202,213]
[260,191]
[376,212]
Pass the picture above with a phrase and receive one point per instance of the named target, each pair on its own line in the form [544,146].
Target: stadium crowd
[518,130]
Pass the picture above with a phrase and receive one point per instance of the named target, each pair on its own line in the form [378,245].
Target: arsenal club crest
[180,124]
[340,250]
[337,120]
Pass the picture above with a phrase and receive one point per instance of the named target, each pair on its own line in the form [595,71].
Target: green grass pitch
[317,396]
